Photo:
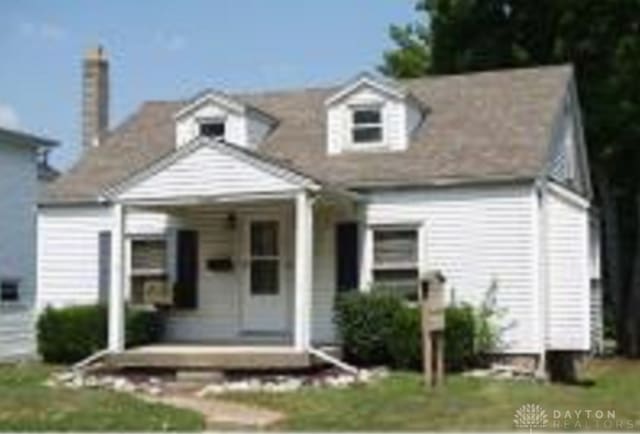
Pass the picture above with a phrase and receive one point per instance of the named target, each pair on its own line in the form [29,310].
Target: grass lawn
[27,405]
[401,403]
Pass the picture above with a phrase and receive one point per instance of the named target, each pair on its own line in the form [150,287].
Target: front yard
[26,404]
[401,403]
[397,403]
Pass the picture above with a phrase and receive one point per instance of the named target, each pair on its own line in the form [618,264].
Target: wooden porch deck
[223,357]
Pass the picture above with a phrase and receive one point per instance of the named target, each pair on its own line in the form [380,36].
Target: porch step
[205,357]
[199,376]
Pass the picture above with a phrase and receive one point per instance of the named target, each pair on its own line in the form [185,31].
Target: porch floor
[224,357]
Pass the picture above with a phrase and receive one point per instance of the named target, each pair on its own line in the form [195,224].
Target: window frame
[18,283]
[355,126]
[274,257]
[148,272]
[399,266]
[211,121]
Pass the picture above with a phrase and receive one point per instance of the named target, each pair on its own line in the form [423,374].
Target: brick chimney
[95,96]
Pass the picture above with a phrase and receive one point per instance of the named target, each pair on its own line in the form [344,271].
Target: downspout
[82,364]
[334,361]
[543,271]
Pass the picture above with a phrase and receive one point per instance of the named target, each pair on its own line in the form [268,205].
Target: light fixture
[231,221]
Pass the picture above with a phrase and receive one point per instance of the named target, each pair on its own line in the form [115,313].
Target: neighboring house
[19,154]
[256,208]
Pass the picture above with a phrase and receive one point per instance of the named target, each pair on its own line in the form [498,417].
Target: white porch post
[303,270]
[116,292]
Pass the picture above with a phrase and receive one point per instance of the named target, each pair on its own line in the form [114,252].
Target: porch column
[303,270]
[116,291]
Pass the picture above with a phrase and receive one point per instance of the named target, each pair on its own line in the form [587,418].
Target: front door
[264,305]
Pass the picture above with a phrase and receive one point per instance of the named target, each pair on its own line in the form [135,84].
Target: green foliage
[69,334]
[378,328]
[404,342]
[364,322]
[459,337]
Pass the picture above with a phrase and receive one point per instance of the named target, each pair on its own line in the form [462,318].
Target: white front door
[264,301]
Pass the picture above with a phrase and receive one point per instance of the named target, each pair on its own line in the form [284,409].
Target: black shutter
[185,292]
[104,266]
[347,256]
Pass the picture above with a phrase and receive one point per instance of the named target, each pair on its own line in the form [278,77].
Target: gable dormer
[216,115]
[370,114]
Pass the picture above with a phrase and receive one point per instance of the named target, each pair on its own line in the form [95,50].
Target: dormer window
[366,125]
[213,128]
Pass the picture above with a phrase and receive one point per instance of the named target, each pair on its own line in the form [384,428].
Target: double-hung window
[148,263]
[395,260]
[366,125]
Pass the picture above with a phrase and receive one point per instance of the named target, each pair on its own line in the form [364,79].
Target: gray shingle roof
[480,127]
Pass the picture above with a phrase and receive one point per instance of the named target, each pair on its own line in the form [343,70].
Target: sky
[160,50]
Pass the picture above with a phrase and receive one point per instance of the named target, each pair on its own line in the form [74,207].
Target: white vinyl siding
[477,236]
[568,295]
[207,172]
[18,190]
[68,266]
[17,332]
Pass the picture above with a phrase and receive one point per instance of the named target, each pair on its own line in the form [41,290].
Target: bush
[404,342]
[459,337]
[364,322]
[69,334]
[382,329]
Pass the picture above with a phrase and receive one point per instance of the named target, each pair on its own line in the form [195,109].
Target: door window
[265,258]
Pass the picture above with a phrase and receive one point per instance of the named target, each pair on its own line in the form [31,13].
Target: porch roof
[208,169]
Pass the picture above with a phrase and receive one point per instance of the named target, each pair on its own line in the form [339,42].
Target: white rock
[211,389]
[154,391]
[64,377]
[123,385]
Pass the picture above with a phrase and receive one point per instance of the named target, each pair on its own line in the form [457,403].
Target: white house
[243,214]
[19,155]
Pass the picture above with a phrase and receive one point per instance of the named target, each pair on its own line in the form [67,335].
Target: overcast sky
[173,49]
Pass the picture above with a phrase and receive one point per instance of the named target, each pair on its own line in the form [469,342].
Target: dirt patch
[218,412]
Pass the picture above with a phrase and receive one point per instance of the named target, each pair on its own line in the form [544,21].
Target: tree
[602,40]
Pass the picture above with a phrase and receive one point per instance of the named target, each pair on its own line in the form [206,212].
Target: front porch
[237,281]
[223,356]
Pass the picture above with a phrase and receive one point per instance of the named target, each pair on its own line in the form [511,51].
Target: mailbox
[431,295]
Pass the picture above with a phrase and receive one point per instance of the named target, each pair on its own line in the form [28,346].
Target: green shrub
[404,341]
[364,321]
[69,334]
[382,329]
[459,336]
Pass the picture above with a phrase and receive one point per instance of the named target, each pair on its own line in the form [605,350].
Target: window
[367,125]
[9,290]
[148,264]
[212,128]
[265,259]
[148,256]
[395,260]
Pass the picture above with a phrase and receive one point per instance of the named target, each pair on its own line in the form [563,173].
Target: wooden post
[432,310]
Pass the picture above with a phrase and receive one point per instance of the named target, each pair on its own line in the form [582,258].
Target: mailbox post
[431,296]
